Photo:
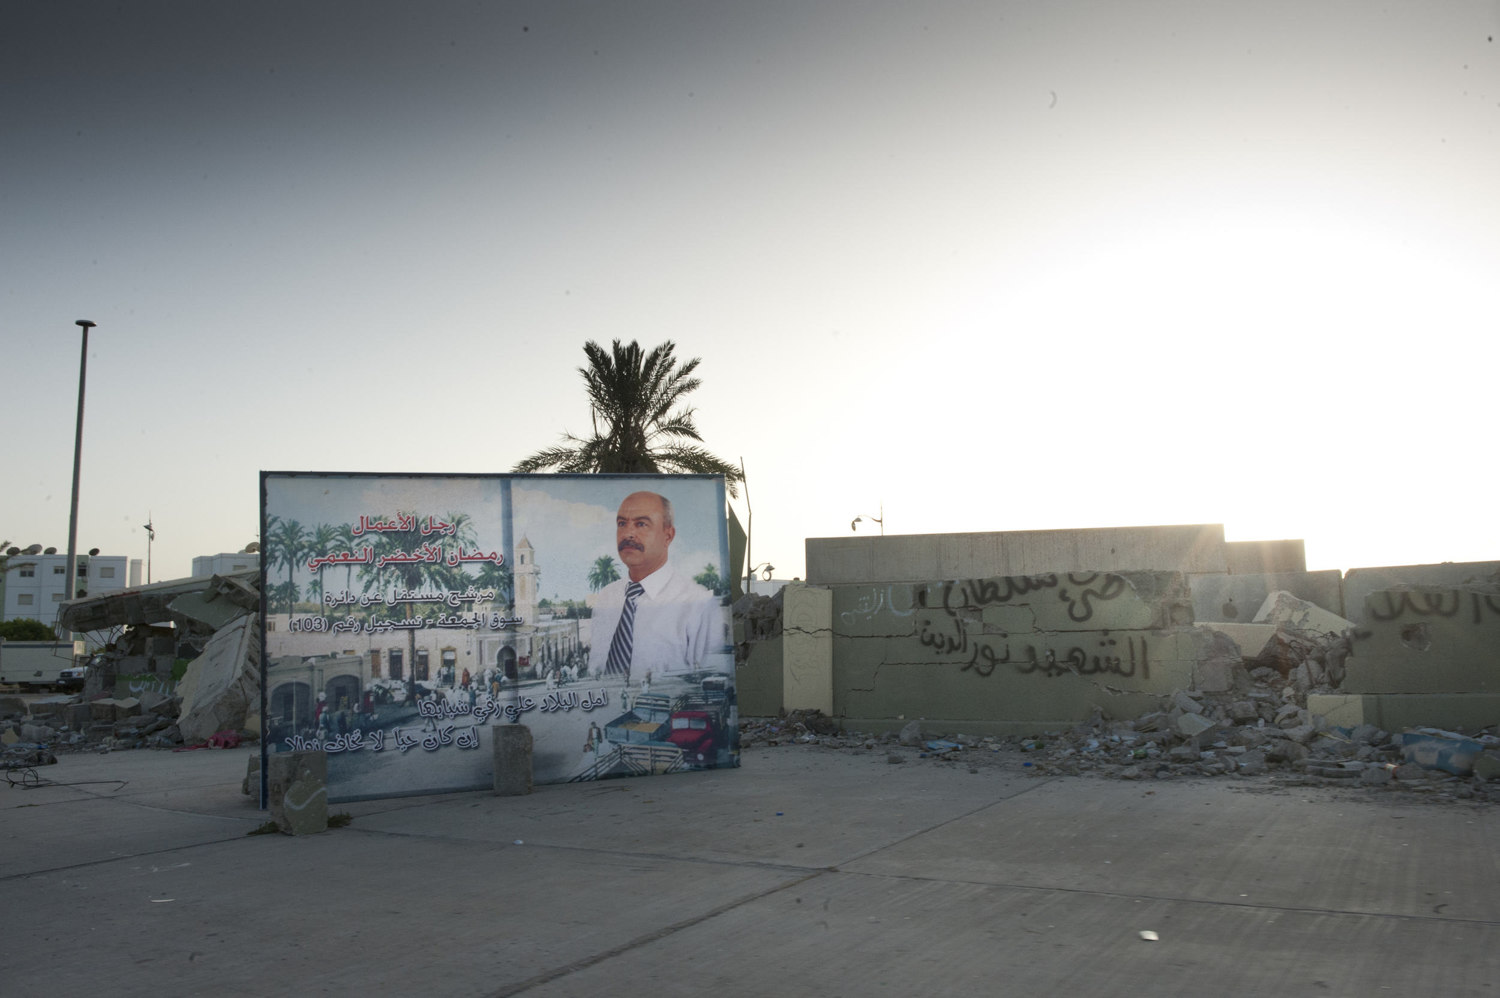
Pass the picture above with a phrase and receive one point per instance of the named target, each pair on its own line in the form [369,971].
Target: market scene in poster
[406,616]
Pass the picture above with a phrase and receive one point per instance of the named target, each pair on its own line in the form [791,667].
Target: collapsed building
[182,665]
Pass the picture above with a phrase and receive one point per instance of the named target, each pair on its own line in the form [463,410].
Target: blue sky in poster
[570,521]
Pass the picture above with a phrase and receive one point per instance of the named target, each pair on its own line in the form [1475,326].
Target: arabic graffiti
[950,625]
[145,683]
[1075,660]
[1390,604]
[1081,592]
[869,605]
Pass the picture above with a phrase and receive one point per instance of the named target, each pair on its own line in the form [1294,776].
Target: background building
[35,584]
[223,564]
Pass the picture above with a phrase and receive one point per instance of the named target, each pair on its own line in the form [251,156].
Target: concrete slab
[806,871]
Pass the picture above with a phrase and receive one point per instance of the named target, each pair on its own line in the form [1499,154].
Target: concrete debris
[1287,611]
[1264,730]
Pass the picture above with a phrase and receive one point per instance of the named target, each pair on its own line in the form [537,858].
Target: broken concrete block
[1286,750]
[1285,610]
[298,783]
[1194,727]
[513,763]
[1184,702]
[1186,752]
[1252,763]
[1221,667]
[1300,733]
[220,684]
[911,734]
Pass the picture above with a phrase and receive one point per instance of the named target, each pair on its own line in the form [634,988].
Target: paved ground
[805,872]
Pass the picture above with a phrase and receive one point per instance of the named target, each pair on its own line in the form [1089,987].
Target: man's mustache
[628,543]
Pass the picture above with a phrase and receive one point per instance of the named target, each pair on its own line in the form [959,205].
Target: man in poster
[655,621]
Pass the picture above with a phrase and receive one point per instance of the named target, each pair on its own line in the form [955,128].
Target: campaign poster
[406,617]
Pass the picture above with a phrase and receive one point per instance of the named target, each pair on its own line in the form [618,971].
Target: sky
[973,266]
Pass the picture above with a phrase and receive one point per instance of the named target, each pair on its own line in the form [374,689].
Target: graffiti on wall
[949,624]
[1390,604]
[1078,591]
[869,604]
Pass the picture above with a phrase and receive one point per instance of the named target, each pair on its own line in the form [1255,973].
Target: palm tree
[602,573]
[635,429]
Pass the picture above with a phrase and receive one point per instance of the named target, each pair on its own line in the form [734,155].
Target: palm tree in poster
[636,429]
[498,578]
[287,542]
[323,542]
[602,572]
[347,544]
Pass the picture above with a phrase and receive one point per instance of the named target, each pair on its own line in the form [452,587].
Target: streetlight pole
[83,365]
[150,536]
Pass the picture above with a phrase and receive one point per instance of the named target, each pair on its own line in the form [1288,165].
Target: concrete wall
[1024,653]
[1011,654]
[1359,583]
[1424,655]
[1266,557]
[1427,640]
[1236,598]
[760,682]
[923,557]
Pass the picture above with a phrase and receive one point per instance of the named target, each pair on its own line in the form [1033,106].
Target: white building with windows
[36,584]
[224,564]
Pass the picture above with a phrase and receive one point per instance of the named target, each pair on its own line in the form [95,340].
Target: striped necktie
[624,639]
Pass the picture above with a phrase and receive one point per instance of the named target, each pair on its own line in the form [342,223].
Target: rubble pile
[54,724]
[1260,727]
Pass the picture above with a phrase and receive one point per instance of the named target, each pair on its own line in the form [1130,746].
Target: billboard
[404,617]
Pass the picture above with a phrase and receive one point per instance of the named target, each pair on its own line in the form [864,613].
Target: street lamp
[866,516]
[150,536]
[83,365]
[750,576]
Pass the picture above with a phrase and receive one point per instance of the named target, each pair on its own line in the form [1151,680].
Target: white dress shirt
[677,623]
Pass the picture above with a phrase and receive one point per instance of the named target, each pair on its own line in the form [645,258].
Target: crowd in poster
[407,615]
